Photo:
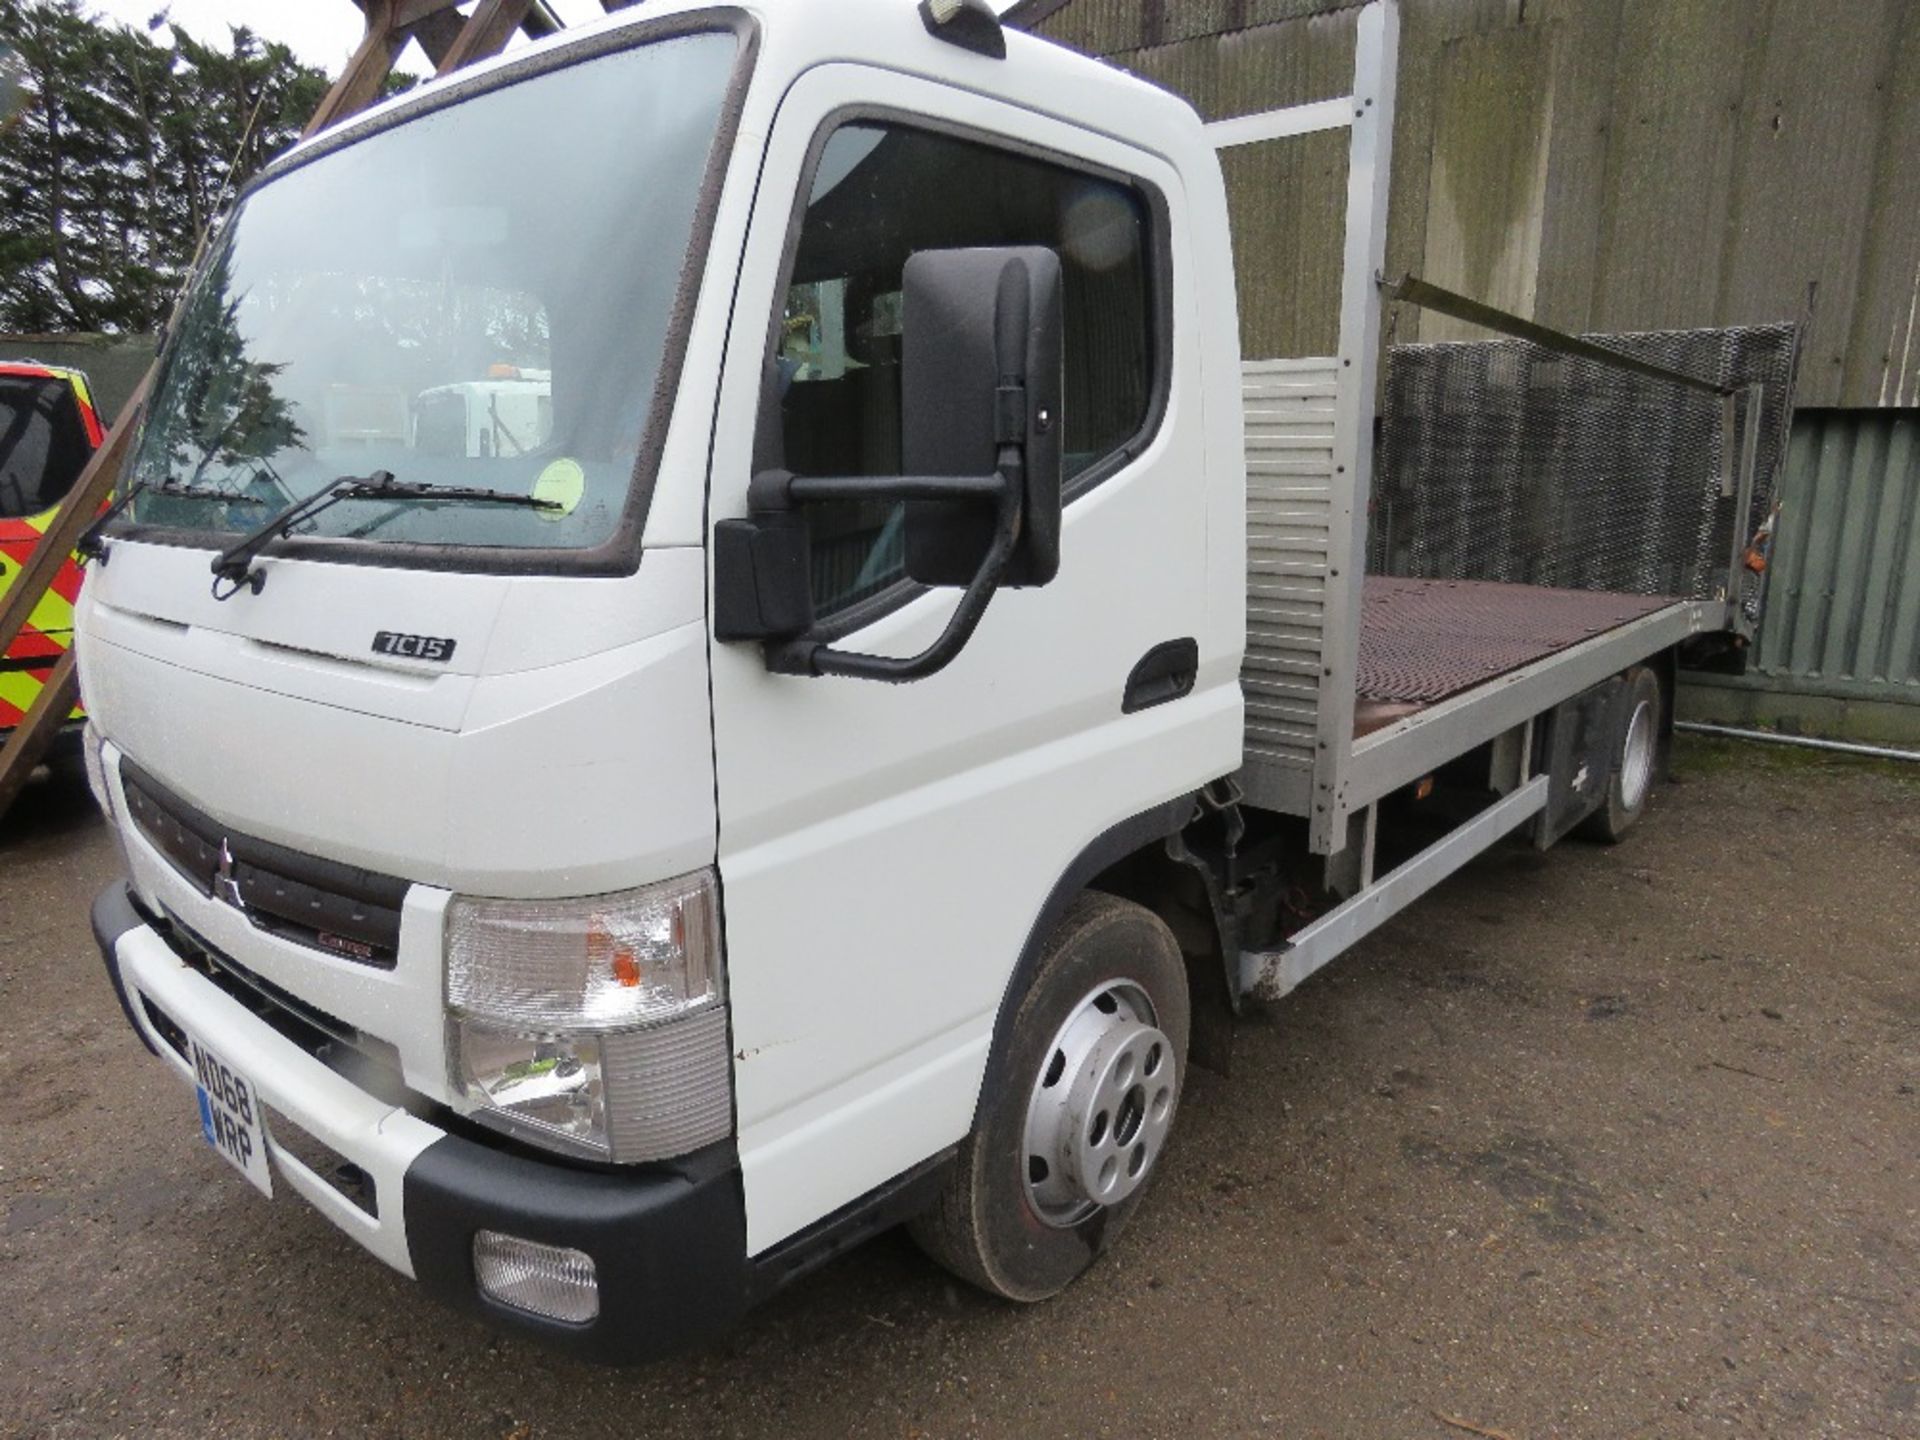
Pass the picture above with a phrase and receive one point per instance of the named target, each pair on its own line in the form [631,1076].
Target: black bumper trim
[113,916]
[669,1243]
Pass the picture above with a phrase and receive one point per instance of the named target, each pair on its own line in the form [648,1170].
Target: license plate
[230,1116]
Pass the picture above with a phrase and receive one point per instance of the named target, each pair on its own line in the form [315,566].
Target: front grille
[296,1023]
[167,1027]
[339,910]
[326,1037]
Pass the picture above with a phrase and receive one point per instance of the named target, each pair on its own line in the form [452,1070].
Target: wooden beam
[360,83]
[487,32]
[449,41]
[541,21]
[409,13]
[27,746]
[436,34]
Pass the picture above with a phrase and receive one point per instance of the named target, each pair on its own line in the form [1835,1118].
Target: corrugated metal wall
[1843,601]
[1623,165]
[1598,164]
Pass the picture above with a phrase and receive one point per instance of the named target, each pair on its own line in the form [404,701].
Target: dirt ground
[1593,1143]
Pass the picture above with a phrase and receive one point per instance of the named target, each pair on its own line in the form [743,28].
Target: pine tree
[219,405]
[121,155]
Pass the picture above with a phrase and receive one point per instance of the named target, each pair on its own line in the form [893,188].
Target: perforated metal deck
[1424,640]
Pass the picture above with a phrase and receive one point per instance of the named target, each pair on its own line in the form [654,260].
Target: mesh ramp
[1502,460]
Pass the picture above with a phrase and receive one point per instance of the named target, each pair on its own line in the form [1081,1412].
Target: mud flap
[1577,748]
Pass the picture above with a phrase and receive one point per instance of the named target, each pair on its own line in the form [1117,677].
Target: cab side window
[43,444]
[881,192]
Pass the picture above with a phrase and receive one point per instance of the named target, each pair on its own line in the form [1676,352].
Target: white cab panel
[590,774]
[885,849]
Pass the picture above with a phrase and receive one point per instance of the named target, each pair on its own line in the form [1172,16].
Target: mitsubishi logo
[225,887]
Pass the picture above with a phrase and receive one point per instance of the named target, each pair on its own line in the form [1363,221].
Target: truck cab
[610,872]
[508,413]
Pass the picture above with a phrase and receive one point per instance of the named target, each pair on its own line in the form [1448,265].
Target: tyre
[1091,1081]
[1636,758]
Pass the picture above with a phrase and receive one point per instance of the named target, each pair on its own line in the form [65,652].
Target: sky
[320,32]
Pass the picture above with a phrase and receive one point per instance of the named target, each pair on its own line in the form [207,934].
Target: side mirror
[980,393]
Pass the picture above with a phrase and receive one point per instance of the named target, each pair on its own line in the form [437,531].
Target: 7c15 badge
[413,647]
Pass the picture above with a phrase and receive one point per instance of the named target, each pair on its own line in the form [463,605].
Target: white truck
[905,701]
[508,413]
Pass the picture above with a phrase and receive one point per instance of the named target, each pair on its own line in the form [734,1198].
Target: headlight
[595,1026]
[93,748]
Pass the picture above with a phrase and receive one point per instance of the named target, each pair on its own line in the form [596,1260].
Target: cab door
[885,849]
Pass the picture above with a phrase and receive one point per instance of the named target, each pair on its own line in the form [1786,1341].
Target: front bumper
[668,1241]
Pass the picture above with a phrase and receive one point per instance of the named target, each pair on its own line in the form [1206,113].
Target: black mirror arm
[809,489]
[1004,489]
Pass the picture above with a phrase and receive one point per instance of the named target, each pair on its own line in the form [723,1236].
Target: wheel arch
[1104,855]
[1133,861]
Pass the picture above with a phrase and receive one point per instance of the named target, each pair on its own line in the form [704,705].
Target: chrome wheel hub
[1636,757]
[1101,1106]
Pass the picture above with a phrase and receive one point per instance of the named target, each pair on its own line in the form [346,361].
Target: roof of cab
[76,380]
[1037,73]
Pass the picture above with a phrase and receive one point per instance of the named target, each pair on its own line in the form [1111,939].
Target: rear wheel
[1636,758]
[1092,1077]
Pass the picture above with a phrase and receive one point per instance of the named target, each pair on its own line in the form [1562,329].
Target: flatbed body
[1371,669]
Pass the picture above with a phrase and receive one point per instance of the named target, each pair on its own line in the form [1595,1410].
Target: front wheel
[1092,1077]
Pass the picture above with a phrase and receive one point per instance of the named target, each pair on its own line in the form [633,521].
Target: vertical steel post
[1729,443]
[1369,180]
[1751,397]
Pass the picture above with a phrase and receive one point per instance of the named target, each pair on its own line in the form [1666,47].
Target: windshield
[479,297]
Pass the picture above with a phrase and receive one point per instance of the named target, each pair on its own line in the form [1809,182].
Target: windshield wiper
[235,564]
[92,544]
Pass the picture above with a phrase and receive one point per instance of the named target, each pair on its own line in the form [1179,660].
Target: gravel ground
[1594,1143]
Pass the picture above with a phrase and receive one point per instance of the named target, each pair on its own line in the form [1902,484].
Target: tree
[217,405]
[13,96]
[232,414]
[124,155]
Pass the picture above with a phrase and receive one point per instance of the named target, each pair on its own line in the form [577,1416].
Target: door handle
[1166,672]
